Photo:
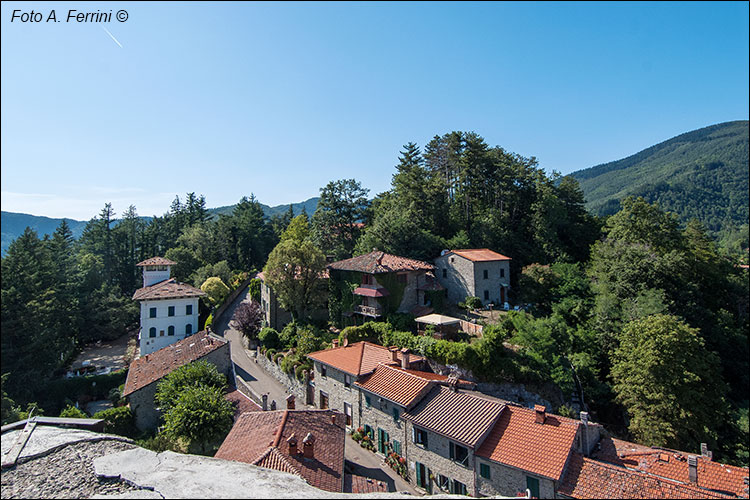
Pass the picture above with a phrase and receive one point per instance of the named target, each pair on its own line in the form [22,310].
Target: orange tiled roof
[480,254]
[380,262]
[517,440]
[157,261]
[167,289]
[152,367]
[260,438]
[241,402]
[359,358]
[673,464]
[589,478]
[396,385]
[456,415]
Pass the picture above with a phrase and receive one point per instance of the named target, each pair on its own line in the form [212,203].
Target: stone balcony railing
[373,311]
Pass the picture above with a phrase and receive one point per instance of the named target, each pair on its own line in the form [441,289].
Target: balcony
[373,311]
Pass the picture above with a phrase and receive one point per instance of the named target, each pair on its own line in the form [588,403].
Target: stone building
[145,372]
[376,284]
[169,310]
[274,315]
[446,428]
[477,272]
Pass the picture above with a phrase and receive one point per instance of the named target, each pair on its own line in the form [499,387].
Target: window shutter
[452,451]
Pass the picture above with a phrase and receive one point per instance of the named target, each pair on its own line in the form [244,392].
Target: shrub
[209,320]
[400,321]
[277,356]
[473,303]
[119,421]
[270,353]
[71,411]
[159,443]
[269,338]
[299,370]
[288,362]
[216,290]
[288,335]
[115,396]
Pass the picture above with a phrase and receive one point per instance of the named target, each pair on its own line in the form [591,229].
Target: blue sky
[277,99]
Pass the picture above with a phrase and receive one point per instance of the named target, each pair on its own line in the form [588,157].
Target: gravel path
[66,473]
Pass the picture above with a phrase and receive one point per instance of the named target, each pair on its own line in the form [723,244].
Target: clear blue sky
[278,99]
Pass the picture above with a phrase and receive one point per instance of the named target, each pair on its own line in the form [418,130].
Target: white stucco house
[169,309]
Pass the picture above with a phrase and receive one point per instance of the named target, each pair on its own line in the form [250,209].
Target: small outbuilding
[445,327]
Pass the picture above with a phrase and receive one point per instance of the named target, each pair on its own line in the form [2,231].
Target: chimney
[693,469]
[292,442]
[290,402]
[264,402]
[394,353]
[540,413]
[585,418]
[405,358]
[453,383]
[308,446]
[333,418]
[705,452]
[335,342]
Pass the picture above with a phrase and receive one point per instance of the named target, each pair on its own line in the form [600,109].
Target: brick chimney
[394,353]
[540,414]
[292,442]
[290,402]
[705,452]
[693,469]
[453,383]
[308,446]
[405,358]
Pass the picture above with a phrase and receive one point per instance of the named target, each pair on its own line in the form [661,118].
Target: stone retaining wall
[230,298]
[293,385]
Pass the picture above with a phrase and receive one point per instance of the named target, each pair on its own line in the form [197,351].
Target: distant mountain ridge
[13,224]
[700,174]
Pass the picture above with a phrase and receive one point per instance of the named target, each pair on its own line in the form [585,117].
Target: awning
[437,319]
[371,292]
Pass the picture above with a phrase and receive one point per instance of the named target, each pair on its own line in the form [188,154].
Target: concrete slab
[148,494]
[45,439]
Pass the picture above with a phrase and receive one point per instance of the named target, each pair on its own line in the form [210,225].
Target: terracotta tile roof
[517,440]
[399,386]
[371,292]
[480,254]
[361,484]
[589,478]
[359,358]
[673,464]
[260,438]
[157,261]
[456,415]
[240,402]
[152,367]
[431,283]
[380,262]
[167,289]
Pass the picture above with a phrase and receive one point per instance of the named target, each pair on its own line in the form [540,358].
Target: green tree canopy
[195,374]
[200,415]
[216,289]
[335,223]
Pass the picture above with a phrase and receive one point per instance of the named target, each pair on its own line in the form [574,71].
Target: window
[458,488]
[369,431]
[486,295]
[445,273]
[484,471]
[367,279]
[451,259]
[396,447]
[348,413]
[368,402]
[170,330]
[170,311]
[395,414]
[419,436]
[347,380]
[486,274]
[443,482]
[459,454]
[189,309]
[502,273]
[383,439]
[188,329]
[401,277]
[152,312]
[152,332]
[532,484]
[161,333]
[422,476]
[323,400]
[323,371]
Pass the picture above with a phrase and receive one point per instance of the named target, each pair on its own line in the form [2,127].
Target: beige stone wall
[338,394]
[493,283]
[380,416]
[459,280]
[436,457]
[507,481]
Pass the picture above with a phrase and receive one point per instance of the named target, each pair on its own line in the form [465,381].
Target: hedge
[93,387]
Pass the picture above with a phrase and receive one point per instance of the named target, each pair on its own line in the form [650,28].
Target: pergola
[445,326]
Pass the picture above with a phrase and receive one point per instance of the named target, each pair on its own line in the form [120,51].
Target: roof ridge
[280,431]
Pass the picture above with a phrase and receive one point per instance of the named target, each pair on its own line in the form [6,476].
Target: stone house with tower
[476,272]
[169,309]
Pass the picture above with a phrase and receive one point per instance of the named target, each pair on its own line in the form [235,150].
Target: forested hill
[701,174]
[13,224]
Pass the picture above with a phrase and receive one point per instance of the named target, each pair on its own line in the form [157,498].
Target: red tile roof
[371,292]
[517,440]
[673,464]
[359,358]
[589,478]
[399,386]
[380,262]
[260,438]
[241,402]
[167,289]
[152,367]
[157,261]
[459,416]
[480,254]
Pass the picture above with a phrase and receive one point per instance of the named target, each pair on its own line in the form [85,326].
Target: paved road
[358,460]
[245,366]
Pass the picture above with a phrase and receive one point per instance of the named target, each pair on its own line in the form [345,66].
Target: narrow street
[358,460]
